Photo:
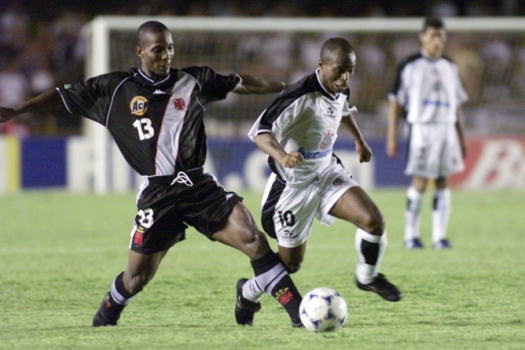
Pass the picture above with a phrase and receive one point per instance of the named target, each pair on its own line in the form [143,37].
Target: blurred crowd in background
[41,47]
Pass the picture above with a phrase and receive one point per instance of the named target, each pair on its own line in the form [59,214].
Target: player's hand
[291,159]
[6,114]
[364,151]
[392,148]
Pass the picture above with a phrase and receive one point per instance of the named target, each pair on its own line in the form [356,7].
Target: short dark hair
[150,27]
[335,44]
[433,22]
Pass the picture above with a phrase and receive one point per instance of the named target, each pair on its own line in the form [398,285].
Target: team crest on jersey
[326,141]
[138,105]
[179,103]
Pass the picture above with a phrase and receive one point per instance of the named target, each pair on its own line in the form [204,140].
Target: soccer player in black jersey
[155,114]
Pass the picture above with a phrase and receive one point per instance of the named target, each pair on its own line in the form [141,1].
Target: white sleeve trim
[64,101]
[353,109]
[238,84]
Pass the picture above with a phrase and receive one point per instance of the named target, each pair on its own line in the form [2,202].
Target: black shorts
[166,209]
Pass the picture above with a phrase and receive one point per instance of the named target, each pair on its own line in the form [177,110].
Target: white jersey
[429,90]
[304,118]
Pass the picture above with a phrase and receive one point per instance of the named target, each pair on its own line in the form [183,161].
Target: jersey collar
[426,56]
[322,88]
[143,76]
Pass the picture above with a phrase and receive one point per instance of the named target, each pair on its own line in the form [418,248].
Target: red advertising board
[493,163]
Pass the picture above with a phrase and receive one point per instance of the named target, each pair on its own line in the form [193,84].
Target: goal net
[490,54]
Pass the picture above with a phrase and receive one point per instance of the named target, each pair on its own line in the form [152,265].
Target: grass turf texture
[60,252]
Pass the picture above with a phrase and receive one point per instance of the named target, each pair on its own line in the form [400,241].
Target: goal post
[490,53]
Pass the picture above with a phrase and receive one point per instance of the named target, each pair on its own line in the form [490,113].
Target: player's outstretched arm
[363,150]
[254,85]
[269,145]
[46,101]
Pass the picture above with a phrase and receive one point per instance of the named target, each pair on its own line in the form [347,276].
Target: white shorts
[288,212]
[433,151]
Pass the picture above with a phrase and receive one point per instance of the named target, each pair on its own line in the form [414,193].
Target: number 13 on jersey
[144,128]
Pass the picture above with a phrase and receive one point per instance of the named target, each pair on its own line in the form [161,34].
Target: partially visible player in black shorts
[155,115]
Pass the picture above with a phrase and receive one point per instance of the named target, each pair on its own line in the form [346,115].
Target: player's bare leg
[292,258]
[271,276]
[140,270]
[357,207]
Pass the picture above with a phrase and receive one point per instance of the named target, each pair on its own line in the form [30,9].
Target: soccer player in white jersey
[428,93]
[298,131]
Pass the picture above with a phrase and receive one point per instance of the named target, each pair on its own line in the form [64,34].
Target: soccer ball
[323,310]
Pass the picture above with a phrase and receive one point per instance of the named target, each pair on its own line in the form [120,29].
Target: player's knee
[256,245]
[291,263]
[374,223]
[293,267]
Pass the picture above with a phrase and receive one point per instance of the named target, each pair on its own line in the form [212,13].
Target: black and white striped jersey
[430,90]
[305,118]
[157,125]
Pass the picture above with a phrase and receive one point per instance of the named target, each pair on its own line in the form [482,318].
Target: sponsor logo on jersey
[138,105]
[159,92]
[179,103]
[314,155]
[330,112]
[326,141]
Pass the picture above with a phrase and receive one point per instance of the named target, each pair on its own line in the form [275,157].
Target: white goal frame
[107,167]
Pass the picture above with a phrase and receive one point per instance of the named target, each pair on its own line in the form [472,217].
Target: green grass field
[60,252]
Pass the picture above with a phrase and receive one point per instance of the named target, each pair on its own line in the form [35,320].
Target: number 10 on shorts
[287,218]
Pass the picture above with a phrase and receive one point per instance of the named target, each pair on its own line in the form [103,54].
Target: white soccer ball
[323,310]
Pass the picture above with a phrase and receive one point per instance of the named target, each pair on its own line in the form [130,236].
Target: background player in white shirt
[298,131]
[429,93]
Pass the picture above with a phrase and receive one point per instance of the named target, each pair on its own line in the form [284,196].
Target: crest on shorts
[338,182]
[326,141]
[138,237]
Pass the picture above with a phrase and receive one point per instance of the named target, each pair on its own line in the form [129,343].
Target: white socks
[255,288]
[251,291]
[440,214]
[412,213]
[370,250]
